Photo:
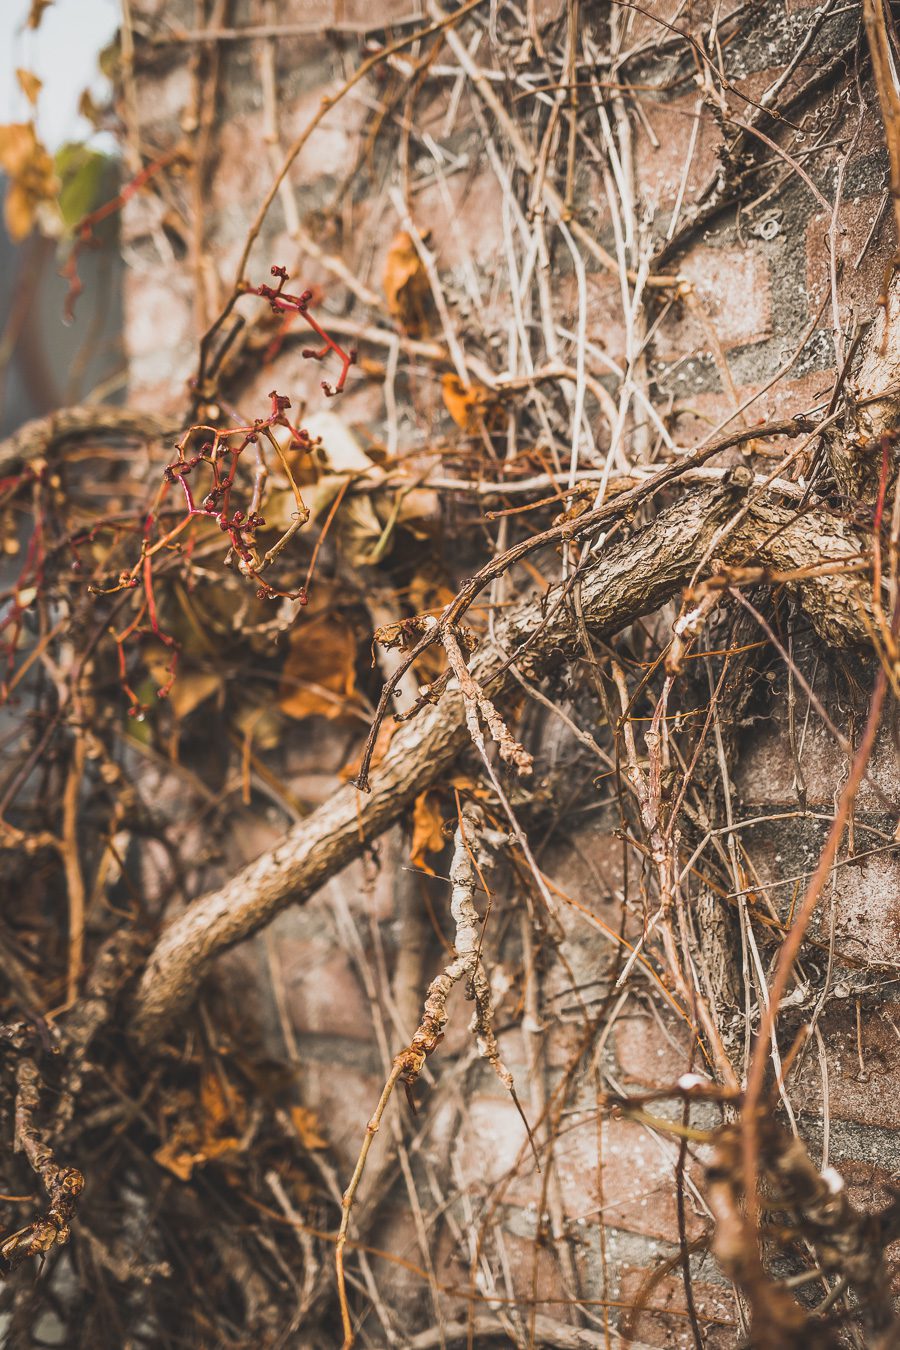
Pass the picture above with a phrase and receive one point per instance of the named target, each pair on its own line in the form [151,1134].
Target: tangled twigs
[62,1184]
[565,530]
[811,1206]
[218,451]
[283,303]
[647,788]
[885,82]
[628,579]
[408,1064]
[453,638]
[791,949]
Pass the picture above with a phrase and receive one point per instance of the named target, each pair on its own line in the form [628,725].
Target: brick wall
[755,281]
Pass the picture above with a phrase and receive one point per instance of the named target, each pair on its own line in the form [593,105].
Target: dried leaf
[467,404]
[89,110]
[319,675]
[306,1123]
[29,83]
[428,830]
[191,689]
[36,13]
[340,449]
[406,286]
[17,146]
[33,185]
[418,511]
[221,1105]
[176,1158]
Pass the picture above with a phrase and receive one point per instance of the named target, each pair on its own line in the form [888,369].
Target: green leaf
[84,177]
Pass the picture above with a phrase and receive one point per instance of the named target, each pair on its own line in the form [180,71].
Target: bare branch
[816,554]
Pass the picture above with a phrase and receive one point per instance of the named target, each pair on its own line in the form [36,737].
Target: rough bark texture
[626,581]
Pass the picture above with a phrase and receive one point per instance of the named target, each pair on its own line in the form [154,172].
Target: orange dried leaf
[428,830]
[467,404]
[406,286]
[17,146]
[306,1123]
[216,1107]
[29,83]
[175,1158]
[32,181]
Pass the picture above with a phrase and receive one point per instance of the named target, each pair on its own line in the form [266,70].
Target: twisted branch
[817,555]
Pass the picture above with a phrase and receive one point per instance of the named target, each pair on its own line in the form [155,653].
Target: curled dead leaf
[32,186]
[428,830]
[406,286]
[468,404]
[319,675]
[30,84]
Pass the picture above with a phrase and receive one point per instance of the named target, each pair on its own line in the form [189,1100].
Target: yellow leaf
[306,1123]
[29,83]
[428,830]
[406,286]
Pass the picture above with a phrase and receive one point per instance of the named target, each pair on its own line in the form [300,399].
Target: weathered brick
[732,302]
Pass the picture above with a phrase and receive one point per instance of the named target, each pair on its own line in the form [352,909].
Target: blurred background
[45,362]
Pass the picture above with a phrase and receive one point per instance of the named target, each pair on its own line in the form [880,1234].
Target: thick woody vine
[172,560]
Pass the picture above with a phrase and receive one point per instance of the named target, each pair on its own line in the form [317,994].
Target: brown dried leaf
[29,83]
[406,286]
[192,688]
[319,675]
[36,13]
[428,830]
